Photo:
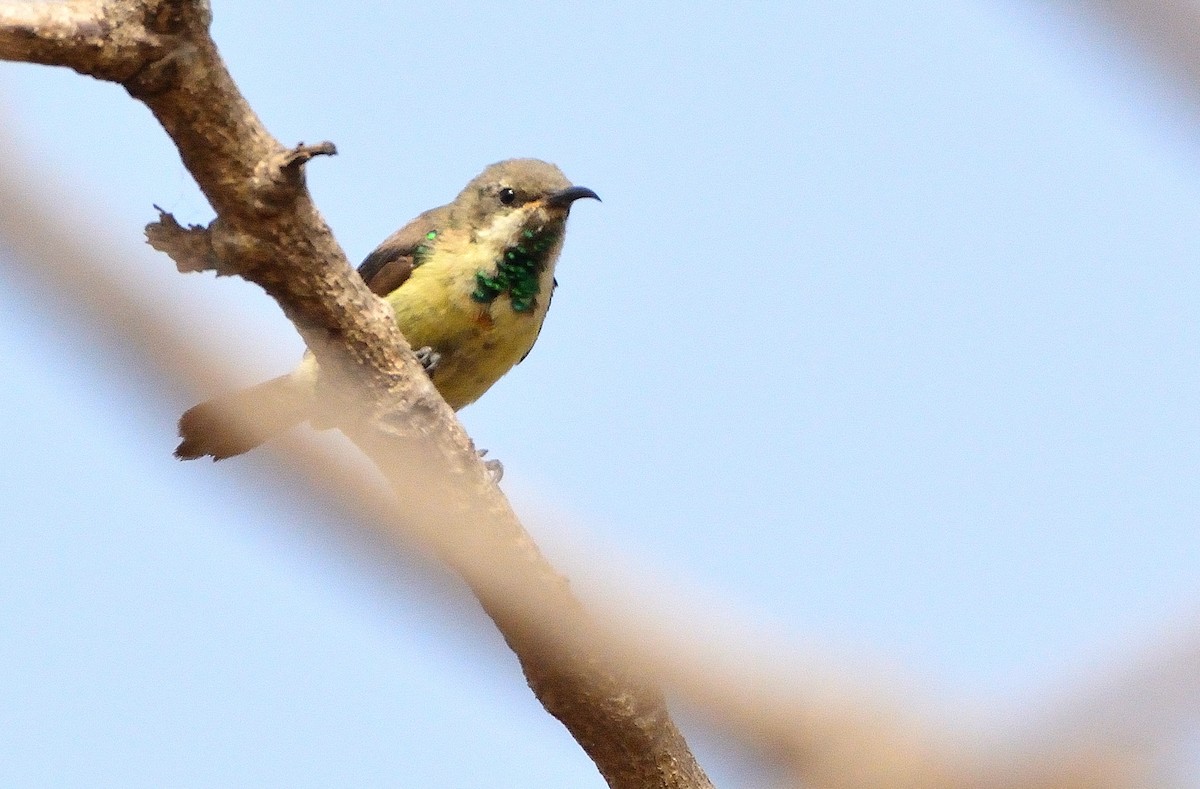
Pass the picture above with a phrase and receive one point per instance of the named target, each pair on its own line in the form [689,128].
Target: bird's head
[514,196]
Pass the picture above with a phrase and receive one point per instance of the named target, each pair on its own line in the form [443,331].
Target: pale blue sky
[886,332]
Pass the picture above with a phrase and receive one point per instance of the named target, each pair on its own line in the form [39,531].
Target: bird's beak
[569,195]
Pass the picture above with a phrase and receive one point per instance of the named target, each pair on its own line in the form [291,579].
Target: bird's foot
[429,359]
[494,467]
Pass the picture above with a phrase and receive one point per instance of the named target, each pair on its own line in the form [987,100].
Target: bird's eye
[507,196]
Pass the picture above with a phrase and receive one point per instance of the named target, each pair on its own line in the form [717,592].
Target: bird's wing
[390,265]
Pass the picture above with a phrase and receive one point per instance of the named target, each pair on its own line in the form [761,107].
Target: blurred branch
[1145,704]
[268,231]
[1167,30]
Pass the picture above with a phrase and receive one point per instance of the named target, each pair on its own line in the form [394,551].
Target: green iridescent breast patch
[519,271]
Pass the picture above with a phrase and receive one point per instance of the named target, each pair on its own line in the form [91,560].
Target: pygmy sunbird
[470,283]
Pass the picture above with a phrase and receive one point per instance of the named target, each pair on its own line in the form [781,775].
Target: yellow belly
[478,343]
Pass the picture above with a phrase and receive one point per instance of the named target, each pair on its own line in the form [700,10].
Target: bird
[469,282]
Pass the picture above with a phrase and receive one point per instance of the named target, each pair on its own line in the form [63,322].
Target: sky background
[885,336]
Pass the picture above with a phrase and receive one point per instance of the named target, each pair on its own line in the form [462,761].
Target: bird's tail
[238,422]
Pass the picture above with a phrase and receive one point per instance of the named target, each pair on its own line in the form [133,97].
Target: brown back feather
[392,262]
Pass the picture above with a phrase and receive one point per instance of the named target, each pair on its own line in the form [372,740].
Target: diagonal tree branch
[268,231]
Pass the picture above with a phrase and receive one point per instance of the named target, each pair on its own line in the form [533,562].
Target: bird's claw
[429,359]
[494,467]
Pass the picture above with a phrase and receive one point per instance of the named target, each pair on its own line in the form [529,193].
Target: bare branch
[190,247]
[94,38]
[269,232]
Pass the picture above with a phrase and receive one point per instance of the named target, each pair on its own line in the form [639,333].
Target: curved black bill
[569,195]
